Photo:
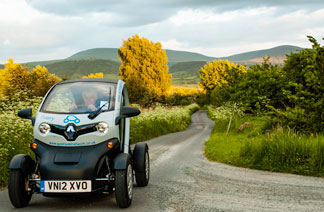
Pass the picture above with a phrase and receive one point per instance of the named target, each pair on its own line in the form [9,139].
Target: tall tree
[144,69]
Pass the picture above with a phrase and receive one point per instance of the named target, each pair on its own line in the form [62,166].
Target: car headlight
[44,128]
[102,127]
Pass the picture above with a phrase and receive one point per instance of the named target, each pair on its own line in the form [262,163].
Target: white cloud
[37,30]
[173,44]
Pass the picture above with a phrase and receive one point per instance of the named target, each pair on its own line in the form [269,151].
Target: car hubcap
[130,181]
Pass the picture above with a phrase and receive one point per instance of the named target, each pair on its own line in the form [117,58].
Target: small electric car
[81,145]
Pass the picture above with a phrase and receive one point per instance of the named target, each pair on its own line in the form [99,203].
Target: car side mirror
[26,114]
[127,112]
[130,111]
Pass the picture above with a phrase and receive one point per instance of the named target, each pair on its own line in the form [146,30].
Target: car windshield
[80,97]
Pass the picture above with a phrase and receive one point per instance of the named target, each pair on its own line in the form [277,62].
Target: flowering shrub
[15,133]
[160,121]
[224,112]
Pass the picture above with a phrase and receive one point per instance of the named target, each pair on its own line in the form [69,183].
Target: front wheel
[18,189]
[124,186]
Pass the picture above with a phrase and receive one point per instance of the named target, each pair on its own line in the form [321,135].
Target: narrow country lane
[182,179]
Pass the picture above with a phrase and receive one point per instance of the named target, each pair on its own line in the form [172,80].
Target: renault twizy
[81,145]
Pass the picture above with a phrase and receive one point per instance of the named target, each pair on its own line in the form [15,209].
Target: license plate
[65,186]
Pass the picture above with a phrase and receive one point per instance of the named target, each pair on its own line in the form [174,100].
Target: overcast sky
[34,30]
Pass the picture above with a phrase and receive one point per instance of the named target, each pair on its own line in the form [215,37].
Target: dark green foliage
[293,94]
[262,85]
[305,89]
[219,96]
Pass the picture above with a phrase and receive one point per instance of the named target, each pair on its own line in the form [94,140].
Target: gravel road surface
[183,180]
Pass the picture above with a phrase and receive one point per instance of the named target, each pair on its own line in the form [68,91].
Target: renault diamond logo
[70,132]
[70,129]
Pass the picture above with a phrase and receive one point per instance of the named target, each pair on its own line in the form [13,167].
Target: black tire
[124,186]
[18,194]
[142,164]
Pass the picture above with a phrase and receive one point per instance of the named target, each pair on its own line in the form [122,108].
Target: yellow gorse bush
[96,75]
[16,78]
[219,73]
[183,91]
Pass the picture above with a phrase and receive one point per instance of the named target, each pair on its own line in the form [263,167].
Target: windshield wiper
[97,112]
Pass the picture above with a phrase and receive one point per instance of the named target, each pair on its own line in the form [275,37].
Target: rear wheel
[124,186]
[18,189]
[142,164]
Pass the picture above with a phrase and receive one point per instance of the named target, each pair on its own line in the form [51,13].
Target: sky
[36,30]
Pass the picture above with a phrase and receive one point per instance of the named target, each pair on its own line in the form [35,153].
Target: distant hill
[98,53]
[186,72]
[183,65]
[111,54]
[276,52]
[183,56]
[79,68]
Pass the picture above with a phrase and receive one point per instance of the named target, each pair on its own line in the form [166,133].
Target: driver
[89,98]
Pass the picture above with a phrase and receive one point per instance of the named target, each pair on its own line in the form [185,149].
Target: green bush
[305,89]
[262,85]
[160,121]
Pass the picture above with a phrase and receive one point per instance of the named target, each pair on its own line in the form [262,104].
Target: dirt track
[183,180]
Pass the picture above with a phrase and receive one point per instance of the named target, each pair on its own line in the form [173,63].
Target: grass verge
[160,121]
[260,146]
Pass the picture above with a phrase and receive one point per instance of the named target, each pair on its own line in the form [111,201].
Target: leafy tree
[144,69]
[219,73]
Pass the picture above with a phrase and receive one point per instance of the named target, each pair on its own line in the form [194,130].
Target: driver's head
[89,97]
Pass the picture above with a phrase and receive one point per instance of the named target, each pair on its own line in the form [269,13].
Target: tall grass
[161,121]
[286,152]
[264,145]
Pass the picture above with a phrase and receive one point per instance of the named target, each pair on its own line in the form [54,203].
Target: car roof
[89,80]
